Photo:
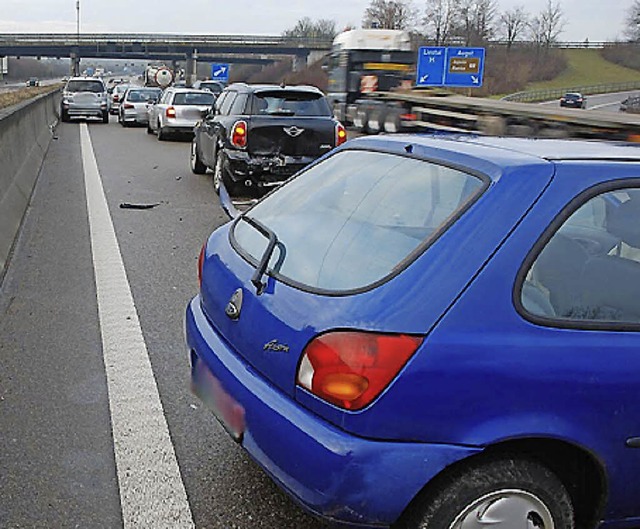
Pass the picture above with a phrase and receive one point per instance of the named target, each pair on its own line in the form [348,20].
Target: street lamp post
[77,59]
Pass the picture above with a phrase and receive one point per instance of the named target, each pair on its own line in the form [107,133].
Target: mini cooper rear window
[354,219]
[290,104]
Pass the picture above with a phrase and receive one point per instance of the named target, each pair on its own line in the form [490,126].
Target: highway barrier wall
[25,135]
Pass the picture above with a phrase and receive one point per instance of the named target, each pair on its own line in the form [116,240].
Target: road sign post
[220,72]
[454,67]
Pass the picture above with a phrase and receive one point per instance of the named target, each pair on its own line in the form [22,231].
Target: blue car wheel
[501,492]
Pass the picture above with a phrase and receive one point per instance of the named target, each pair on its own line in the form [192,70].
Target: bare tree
[535,30]
[553,22]
[513,24]
[307,28]
[632,24]
[475,21]
[389,14]
[439,19]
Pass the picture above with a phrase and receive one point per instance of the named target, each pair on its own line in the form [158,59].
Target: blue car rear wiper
[261,269]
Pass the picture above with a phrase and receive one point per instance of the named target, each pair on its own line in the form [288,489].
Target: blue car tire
[503,492]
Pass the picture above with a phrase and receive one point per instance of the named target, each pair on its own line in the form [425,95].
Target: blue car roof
[492,155]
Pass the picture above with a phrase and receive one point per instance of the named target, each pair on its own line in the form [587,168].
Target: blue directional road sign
[456,67]
[220,72]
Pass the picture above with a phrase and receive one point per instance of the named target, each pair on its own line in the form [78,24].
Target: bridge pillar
[74,69]
[190,73]
[300,62]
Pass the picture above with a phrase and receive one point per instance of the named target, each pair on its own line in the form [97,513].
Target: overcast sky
[592,19]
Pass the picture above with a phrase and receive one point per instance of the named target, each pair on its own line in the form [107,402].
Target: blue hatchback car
[437,332]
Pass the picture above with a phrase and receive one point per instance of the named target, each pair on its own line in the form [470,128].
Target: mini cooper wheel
[220,176]
[501,493]
[197,167]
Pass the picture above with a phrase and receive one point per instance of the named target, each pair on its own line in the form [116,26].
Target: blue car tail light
[350,369]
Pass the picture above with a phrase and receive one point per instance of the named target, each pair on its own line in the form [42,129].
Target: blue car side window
[589,271]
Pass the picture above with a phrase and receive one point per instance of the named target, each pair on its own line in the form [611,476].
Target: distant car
[33,81]
[631,105]
[84,97]
[134,105]
[213,86]
[573,100]
[437,330]
[257,136]
[178,111]
[116,96]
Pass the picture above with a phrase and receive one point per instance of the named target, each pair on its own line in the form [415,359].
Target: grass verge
[8,99]
[587,68]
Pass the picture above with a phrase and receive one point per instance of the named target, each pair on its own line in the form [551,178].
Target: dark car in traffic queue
[213,86]
[573,100]
[257,136]
[436,332]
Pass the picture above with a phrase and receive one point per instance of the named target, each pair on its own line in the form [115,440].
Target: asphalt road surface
[602,102]
[73,359]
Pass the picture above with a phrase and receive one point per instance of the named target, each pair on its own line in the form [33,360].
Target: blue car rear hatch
[354,243]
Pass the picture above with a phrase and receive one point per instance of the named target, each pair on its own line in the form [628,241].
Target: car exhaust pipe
[248,183]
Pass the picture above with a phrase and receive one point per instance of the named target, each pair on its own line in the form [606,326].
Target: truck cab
[367,60]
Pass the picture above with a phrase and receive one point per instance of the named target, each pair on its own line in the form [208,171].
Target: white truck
[371,78]
[158,75]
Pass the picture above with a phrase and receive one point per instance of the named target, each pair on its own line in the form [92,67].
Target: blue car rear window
[354,218]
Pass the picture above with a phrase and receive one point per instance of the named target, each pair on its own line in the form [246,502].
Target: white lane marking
[596,107]
[152,494]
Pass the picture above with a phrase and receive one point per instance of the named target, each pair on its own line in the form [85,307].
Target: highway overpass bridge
[247,49]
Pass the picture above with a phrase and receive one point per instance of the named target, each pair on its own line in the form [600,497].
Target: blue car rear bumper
[351,480]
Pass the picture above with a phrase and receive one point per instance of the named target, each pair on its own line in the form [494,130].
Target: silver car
[116,96]
[135,104]
[84,97]
[178,111]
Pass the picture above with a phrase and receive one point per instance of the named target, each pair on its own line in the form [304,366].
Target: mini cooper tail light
[128,106]
[201,263]
[341,134]
[239,134]
[171,112]
[350,369]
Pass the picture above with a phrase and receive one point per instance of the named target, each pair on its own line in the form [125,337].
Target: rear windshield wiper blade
[261,269]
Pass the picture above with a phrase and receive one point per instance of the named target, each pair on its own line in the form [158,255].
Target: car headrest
[622,221]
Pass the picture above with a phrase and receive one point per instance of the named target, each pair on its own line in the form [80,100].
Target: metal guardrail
[533,96]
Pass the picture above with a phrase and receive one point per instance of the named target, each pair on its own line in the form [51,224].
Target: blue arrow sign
[431,62]
[456,67]
[220,72]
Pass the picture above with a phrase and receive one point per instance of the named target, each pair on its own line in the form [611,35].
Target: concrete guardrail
[25,135]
